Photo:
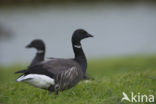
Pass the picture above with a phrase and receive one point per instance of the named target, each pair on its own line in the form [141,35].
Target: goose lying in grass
[39,45]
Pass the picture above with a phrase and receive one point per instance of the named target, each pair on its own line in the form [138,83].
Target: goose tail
[20,71]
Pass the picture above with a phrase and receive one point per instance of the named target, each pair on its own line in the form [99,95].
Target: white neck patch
[40,51]
[77,46]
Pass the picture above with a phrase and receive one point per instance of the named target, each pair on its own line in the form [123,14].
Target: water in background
[119,29]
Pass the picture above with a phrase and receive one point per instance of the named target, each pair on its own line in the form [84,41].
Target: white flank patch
[37,80]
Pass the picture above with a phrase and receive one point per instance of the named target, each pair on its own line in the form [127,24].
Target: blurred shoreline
[131,57]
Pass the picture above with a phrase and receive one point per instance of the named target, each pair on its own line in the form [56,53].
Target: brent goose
[39,45]
[59,74]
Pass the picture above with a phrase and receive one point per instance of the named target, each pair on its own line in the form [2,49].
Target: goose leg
[56,92]
[56,89]
[51,89]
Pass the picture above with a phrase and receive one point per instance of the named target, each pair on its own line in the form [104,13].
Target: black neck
[38,58]
[79,55]
[40,55]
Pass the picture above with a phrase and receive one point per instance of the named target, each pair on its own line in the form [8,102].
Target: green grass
[112,77]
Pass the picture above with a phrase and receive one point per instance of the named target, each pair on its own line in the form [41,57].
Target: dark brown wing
[52,67]
[59,65]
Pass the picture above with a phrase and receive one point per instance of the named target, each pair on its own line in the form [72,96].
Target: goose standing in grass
[39,45]
[59,74]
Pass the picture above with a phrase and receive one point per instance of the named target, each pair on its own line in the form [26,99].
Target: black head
[80,34]
[37,43]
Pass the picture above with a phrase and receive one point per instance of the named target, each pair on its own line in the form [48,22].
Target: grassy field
[112,77]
